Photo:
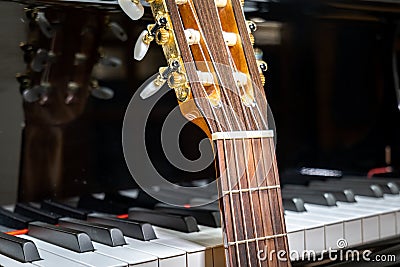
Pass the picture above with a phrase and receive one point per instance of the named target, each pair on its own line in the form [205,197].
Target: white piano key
[370,220]
[208,238]
[88,258]
[51,260]
[386,215]
[314,232]
[195,254]
[6,261]
[398,223]
[352,221]
[296,237]
[167,256]
[130,256]
[334,227]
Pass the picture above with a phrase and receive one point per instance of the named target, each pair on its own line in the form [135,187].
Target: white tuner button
[118,31]
[133,8]
[110,61]
[44,25]
[192,36]
[151,86]
[141,47]
[230,38]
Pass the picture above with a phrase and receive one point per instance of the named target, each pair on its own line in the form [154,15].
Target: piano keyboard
[92,234]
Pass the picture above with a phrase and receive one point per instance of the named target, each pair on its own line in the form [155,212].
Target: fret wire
[261,133]
[253,189]
[256,239]
[259,195]
[246,164]
[279,202]
[230,126]
[229,180]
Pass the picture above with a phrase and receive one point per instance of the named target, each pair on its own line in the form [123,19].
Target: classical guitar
[217,81]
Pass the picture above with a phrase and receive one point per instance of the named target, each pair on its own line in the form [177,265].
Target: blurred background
[331,83]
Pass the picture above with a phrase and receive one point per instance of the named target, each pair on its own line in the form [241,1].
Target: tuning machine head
[118,31]
[39,17]
[133,8]
[109,61]
[173,76]
[100,92]
[36,93]
[262,65]
[41,58]
[158,31]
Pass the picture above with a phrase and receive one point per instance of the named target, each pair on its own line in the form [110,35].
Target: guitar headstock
[60,53]
[211,62]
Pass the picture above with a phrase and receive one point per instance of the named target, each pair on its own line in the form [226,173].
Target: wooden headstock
[215,62]
[62,47]
[60,53]
[217,81]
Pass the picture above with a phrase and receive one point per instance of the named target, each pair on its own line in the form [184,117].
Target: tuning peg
[154,31]
[28,50]
[118,31]
[79,58]
[133,8]
[152,87]
[24,81]
[262,65]
[44,24]
[252,26]
[100,92]
[36,93]
[169,73]
[110,61]
[72,89]
[142,45]
[40,59]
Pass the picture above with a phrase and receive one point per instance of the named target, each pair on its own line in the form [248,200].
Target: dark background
[330,86]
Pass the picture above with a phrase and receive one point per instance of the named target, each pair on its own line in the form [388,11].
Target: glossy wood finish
[44,160]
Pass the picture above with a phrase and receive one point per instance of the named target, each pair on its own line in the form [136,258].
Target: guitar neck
[251,203]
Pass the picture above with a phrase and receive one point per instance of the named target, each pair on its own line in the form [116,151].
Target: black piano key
[36,213]
[320,198]
[142,200]
[387,186]
[204,216]
[63,209]
[293,204]
[13,220]
[74,240]
[18,248]
[358,188]
[101,205]
[187,224]
[343,195]
[141,231]
[104,234]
